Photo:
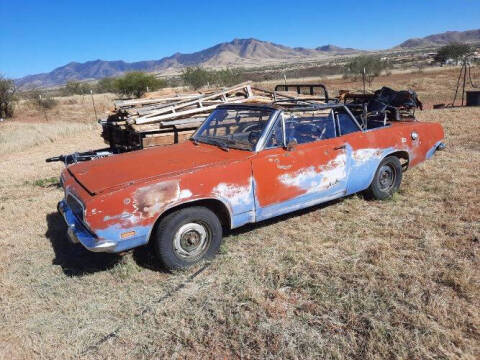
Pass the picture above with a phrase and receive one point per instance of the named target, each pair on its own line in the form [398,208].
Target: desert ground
[351,279]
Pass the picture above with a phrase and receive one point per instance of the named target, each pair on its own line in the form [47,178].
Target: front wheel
[387,179]
[187,236]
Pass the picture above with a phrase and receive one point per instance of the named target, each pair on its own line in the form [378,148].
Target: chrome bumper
[78,233]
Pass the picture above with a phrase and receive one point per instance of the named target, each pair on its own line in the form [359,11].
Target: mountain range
[468,36]
[236,53]
[239,52]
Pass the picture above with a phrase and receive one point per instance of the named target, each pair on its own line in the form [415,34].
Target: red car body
[112,204]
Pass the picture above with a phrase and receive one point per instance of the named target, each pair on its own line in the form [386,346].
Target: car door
[364,150]
[309,172]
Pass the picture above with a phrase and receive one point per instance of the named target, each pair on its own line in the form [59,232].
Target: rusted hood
[121,170]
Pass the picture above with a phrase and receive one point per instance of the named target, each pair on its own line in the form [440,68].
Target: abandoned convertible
[246,163]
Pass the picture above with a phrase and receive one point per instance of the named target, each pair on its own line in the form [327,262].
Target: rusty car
[245,163]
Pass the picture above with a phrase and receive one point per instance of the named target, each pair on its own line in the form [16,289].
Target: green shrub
[372,65]
[7,97]
[196,77]
[76,88]
[106,85]
[137,83]
[226,77]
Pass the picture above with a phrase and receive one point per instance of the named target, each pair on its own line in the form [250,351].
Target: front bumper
[78,233]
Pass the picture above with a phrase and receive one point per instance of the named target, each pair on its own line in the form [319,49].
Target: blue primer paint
[242,219]
[113,233]
[312,180]
[240,201]
[432,150]
[363,168]
[359,173]
[110,235]
[297,203]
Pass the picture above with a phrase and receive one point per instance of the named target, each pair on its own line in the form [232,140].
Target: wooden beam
[184,113]
[225,92]
[123,103]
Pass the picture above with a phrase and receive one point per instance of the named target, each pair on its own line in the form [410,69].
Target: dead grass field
[433,85]
[352,279]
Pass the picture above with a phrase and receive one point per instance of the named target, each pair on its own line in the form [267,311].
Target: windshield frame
[261,141]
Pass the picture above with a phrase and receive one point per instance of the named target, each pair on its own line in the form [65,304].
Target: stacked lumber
[140,123]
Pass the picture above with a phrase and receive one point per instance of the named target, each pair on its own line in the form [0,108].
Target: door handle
[341,147]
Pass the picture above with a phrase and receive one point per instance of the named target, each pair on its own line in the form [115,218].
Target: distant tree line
[197,77]
[132,84]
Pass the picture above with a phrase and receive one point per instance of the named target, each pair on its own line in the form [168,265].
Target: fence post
[93,103]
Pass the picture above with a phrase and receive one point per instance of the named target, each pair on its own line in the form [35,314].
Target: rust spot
[150,200]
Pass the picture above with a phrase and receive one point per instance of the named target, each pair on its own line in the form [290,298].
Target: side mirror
[291,145]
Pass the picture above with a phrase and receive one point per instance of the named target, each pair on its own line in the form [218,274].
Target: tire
[387,179]
[187,236]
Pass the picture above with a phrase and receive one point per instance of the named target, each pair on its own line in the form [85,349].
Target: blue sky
[38,36]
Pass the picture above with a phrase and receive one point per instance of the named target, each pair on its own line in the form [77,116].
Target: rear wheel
[387,179]
[187,236]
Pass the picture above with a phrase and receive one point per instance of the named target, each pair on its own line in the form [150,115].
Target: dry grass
[352,279]
[433,85]
[17,136]
[76,108]
[32,126]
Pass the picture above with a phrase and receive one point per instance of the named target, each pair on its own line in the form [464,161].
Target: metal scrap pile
[385,101]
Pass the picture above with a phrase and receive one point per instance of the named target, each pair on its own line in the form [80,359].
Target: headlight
[414,135]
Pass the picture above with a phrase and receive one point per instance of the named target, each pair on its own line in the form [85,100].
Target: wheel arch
[401,155]
[218,207]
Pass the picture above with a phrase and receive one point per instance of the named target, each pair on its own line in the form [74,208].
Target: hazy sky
[38,36]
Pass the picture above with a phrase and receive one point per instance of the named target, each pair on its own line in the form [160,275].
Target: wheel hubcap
[386,177]
[191,241]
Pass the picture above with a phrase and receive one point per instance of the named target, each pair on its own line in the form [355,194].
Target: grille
[76,207]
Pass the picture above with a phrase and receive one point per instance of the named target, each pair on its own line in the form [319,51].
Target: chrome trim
[82,205]
[262,141]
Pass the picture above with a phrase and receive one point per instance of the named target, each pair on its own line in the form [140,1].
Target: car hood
[113,172]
